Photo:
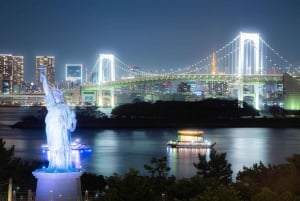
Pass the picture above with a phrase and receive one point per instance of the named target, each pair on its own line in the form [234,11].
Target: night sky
[151,34]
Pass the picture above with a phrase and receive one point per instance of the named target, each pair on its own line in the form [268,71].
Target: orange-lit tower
[213,64]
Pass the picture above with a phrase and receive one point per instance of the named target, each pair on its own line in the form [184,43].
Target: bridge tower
[249,63]
[213,64]
[106,73]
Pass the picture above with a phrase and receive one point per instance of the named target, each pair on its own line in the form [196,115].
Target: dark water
[115,151]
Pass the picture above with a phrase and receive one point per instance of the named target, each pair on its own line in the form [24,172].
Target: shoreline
[180,123]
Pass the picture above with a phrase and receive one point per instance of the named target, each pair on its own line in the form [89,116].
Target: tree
[6,158]
[266,195]
[89,113]
[159,171]
[277,111]
[159,168]
[93,183]
[131,187]
[22,174]
[185,189]
[249,180]
[282,179]
[217,169]
[220,193]
[254,174]
[294,160]
[20,171]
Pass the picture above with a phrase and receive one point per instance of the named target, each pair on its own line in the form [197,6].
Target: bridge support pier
[256,96]
[240,91]
[106,98]
[248,93]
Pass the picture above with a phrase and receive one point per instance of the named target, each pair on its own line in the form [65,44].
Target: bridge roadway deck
[162,78]
[188,77]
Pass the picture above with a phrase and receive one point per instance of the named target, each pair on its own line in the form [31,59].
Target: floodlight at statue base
[58,186]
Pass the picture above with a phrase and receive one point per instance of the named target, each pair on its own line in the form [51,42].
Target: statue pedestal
[58,186]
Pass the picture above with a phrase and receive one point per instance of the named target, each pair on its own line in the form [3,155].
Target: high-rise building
[45,64]
[74,74]
[11,73]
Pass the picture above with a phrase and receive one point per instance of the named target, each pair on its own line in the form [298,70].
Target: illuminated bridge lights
[187,77]
[262,78]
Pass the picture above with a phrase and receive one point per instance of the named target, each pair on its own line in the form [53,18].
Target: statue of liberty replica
[60,121]
[59,181]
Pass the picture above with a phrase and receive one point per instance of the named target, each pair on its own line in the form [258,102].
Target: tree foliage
[217,168]
[131,187]
[93,182]
[187,188]
[208,108]
[282,179]
[89,113]
[158,167]
[12,167]
[219,193]
[6,161]
[266,195]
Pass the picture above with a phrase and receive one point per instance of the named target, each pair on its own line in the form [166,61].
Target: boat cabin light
[190,135]
[191,132]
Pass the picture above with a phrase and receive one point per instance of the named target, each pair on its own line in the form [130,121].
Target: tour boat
[75,145]
[191,139]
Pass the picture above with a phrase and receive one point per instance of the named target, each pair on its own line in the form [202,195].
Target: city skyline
[149,34]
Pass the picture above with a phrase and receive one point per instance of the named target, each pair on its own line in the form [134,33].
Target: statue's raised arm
[53,94]
[45,84]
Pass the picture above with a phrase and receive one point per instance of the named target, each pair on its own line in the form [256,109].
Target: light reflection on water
[246,146]
[182,160]
[115,151]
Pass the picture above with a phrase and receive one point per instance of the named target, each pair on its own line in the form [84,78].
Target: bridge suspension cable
[285,66]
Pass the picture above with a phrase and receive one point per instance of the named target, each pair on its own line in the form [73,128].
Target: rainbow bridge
[246,68]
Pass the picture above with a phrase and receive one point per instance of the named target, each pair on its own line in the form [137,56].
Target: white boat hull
[195,145]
